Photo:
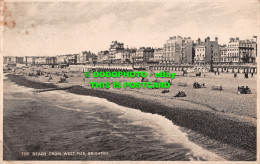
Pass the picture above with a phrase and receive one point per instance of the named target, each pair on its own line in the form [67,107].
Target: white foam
[66,108]
[163,128]
[166,130]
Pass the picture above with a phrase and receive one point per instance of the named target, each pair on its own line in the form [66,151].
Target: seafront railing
[206,68]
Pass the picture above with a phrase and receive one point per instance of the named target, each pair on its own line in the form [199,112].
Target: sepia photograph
[129,80]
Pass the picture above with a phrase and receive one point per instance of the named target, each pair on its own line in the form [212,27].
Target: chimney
[237,38]
[216,39]
[230,39]
[198,41]
[208,38]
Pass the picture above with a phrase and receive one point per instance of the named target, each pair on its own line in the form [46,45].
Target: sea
[107,130]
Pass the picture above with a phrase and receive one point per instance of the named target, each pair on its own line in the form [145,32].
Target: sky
[49,29]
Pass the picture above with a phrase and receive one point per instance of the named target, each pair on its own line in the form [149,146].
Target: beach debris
[31,74]
[39,73]
[170,82]
[156,81]
[144,79]
[58,73]
[217,87]
[182,84]
[243,90]
[63,80]
[198,85]
[165,91]
[180,94]
[66,76]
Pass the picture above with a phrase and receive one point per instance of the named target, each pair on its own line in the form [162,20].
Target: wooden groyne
[218,68]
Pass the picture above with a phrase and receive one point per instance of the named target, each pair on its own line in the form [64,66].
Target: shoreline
[205,123]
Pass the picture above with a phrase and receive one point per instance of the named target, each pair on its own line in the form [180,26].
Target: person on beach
[185,72]
[246,75]
[235,75]
[83,80]
[252,74]
[215,72]
[152,71]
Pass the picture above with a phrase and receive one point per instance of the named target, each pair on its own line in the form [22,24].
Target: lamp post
[211,58]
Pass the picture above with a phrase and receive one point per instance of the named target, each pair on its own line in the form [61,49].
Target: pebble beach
[222,122]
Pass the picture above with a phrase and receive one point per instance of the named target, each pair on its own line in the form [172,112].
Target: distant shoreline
[202,122]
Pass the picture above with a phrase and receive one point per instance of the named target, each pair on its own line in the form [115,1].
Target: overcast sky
[46,28]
